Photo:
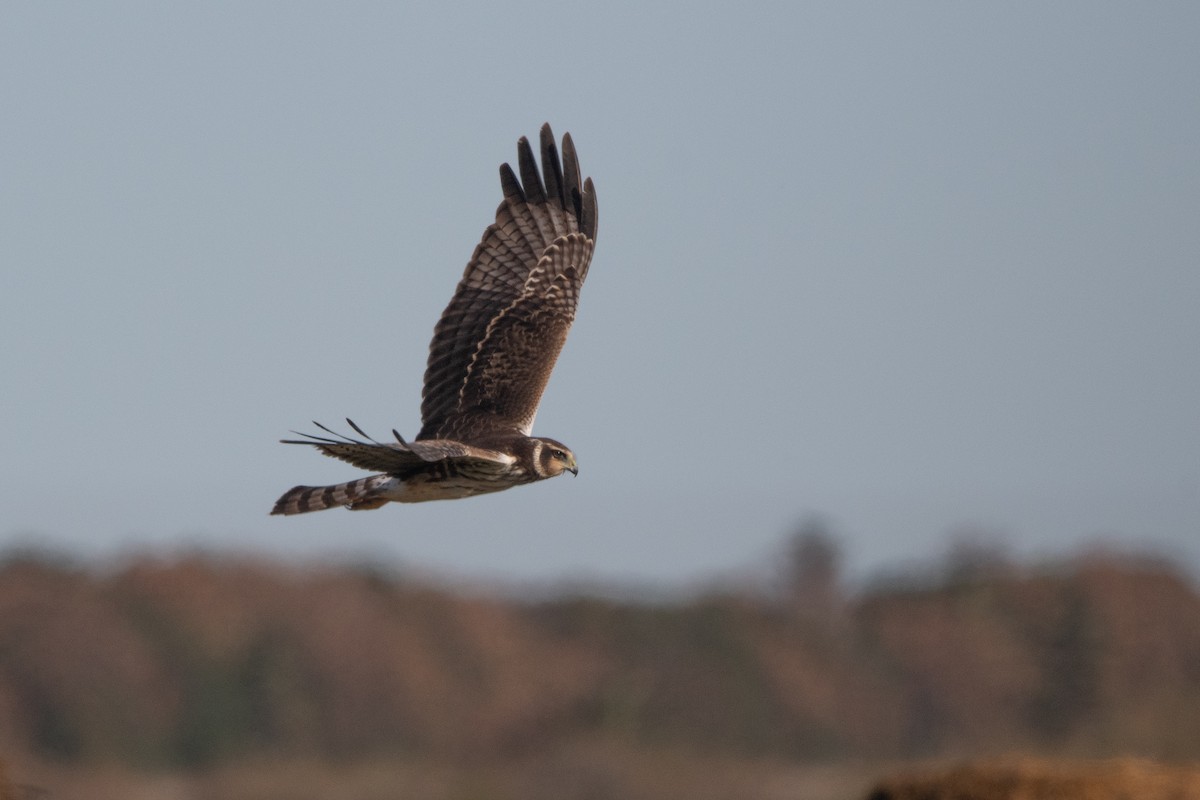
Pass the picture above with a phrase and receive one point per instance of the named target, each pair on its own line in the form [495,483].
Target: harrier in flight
[491,355]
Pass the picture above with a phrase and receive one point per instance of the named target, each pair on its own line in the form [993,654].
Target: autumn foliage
[202,661]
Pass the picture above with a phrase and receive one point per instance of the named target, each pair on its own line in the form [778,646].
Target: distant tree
[813,570]
[1071,657]
[975,553]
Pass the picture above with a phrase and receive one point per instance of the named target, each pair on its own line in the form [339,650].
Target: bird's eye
[559,454]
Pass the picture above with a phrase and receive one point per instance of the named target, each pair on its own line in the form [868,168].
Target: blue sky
[912,267]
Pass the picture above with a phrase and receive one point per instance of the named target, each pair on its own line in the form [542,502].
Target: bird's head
[555,458]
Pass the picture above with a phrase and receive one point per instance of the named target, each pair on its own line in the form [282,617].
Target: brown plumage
[491,356]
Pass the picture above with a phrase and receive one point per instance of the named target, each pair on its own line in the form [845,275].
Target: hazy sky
[912,267]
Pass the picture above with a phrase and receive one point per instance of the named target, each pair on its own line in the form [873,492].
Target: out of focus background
[883,389]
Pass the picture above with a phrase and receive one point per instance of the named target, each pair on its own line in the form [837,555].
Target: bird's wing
[395,457]
[496,343]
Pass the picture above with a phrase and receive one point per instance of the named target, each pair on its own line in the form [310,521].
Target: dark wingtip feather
[530,179]
[327,430]
[575,191]
[590,217]
[570,166]
[339,436]
[360,431]
[510,185]
[308,439]
[551,167]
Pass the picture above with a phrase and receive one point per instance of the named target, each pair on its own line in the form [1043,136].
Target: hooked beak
[574,470]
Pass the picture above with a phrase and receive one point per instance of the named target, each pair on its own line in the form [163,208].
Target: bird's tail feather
[358,495]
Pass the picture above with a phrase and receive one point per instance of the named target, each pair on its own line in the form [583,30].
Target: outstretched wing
[397,457]
[496,343]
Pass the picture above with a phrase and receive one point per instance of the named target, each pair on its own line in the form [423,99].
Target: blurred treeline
[194,662]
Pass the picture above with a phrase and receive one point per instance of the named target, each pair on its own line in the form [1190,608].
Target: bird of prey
[491,354]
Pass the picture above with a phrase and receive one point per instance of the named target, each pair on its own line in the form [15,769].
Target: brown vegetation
[204,665]
[1121,779]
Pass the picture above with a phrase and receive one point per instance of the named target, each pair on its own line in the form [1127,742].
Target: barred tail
[358,495]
